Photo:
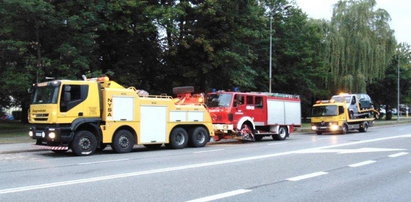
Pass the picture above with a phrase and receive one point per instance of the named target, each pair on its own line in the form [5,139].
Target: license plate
[38,134]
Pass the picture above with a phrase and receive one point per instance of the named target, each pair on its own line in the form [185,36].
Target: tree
[360,45]
[384,91]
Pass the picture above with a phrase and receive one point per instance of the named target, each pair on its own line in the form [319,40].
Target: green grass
[14,132]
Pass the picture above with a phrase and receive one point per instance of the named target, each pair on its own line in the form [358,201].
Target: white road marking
[184,167]
[214,150]
[398,154]
[351,151]
[277,143]
[303,177]
[97,162]
[362,163]
[220,196]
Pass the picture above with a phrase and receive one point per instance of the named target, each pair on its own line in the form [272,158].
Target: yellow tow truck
[86,115]
[343,113]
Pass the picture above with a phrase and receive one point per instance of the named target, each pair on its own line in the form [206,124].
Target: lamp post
[270,76]
[271,53]
[398,86]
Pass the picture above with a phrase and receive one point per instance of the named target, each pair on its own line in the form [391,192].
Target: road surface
[372,166]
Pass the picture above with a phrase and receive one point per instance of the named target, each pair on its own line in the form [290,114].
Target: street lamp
[271,46]
[398,85]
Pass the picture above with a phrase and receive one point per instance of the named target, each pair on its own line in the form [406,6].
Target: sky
[399,10]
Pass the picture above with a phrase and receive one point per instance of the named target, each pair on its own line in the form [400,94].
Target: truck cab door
[71,99]
[255,108]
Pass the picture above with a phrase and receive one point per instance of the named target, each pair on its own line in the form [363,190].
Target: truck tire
[319,133]
[344,129]
[199,137]
[363,127]
[153,146]
[282,134]
[123,141]
[178,138]
[247,132]
[84,143]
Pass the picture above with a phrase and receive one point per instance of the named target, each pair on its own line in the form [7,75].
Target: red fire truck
[253,115]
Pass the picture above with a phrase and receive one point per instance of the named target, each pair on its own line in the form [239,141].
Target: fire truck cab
[253,115]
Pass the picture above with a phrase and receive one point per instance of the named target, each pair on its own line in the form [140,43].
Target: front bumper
[326,128]
[51,135]
[225,128]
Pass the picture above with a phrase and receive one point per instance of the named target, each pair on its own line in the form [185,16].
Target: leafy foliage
[211,44]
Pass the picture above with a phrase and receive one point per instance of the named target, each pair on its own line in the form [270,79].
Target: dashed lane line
[398,154]
[362,163]
[303,177]
[220,196]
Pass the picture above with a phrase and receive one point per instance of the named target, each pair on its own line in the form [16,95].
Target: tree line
[156,45]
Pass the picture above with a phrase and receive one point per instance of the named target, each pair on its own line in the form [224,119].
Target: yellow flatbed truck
[86,115]
[331,116]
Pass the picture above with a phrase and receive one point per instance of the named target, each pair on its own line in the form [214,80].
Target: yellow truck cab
[340,115]
[87,115]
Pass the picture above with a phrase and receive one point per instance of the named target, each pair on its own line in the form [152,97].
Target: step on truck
[252,116]
[343,113]
[87,115]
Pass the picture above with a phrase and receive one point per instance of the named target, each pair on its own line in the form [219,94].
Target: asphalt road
[372,166]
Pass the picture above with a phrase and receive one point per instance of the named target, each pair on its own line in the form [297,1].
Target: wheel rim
[124,142]
[85,143]
[282,133]
[200,137]
[179,139]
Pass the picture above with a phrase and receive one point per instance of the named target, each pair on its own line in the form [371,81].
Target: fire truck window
[238,100]
[250,100]
[259,102]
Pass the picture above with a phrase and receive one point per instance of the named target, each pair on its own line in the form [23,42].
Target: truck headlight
[334,127]
[43,134]
[52,135]
[31,133]
[313,127]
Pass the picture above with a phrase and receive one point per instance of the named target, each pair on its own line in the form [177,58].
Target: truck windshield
[219,100]
[330,110]
[45,95]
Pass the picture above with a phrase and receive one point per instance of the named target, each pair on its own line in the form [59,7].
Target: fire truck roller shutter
[245,119]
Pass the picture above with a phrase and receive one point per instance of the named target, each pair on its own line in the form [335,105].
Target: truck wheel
[123,141]
[282,134]
[363,127]
[178,138]
[247,132]
[344,129]
[153,146]
[319,133]
[84,143]
[199,137]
